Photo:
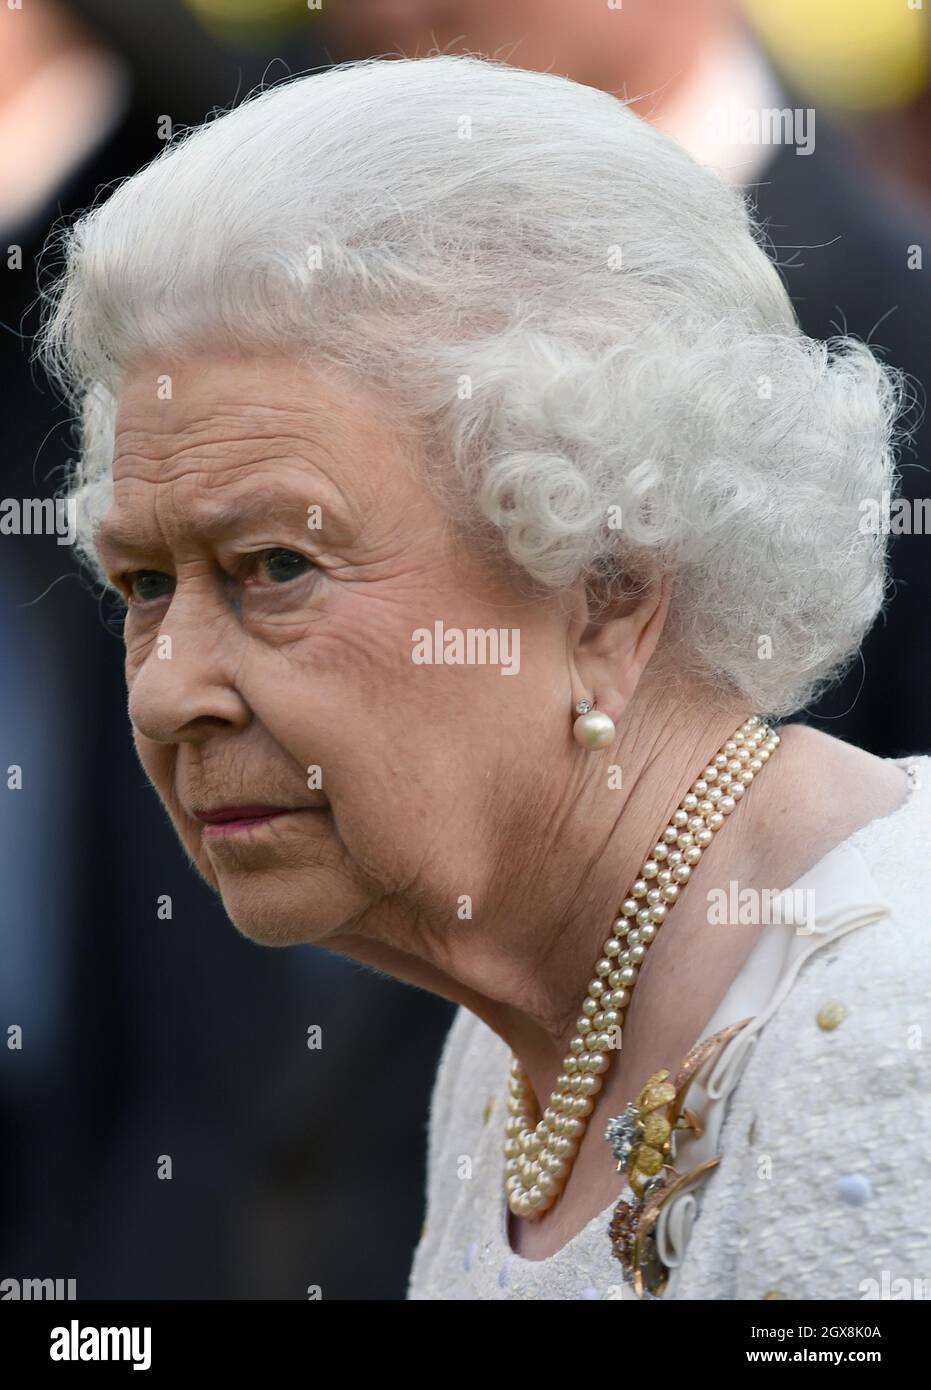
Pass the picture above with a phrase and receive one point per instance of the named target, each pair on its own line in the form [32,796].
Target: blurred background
[129,1036]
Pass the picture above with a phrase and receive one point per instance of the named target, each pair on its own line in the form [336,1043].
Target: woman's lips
[232,820]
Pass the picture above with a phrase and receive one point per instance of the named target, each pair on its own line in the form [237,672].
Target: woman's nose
[185,688]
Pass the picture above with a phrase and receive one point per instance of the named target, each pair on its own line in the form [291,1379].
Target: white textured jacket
[823,1189]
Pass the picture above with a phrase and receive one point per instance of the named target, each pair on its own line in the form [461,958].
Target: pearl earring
[593,729]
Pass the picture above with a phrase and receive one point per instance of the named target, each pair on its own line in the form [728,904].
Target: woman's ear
[614,640]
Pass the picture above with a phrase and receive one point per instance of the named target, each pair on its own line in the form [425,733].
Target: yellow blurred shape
[860,54]
[238,19]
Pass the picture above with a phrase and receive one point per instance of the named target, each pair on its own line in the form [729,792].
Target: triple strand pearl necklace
[540,1150]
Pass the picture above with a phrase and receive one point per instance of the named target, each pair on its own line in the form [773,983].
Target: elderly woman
[478,507]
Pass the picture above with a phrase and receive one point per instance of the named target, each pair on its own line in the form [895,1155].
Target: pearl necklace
[539,1152]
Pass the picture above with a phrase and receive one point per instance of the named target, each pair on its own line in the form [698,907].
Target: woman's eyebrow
[220,520]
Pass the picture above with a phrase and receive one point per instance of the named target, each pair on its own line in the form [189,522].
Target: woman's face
[279,551]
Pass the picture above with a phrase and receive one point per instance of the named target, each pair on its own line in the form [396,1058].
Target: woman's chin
[272,914]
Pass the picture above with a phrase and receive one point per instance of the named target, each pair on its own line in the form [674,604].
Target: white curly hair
[582,323]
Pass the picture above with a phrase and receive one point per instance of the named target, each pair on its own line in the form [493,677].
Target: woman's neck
[666,738]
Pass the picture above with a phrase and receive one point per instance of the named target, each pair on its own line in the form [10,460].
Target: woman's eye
[277,566]
[281,565]
[145,586]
